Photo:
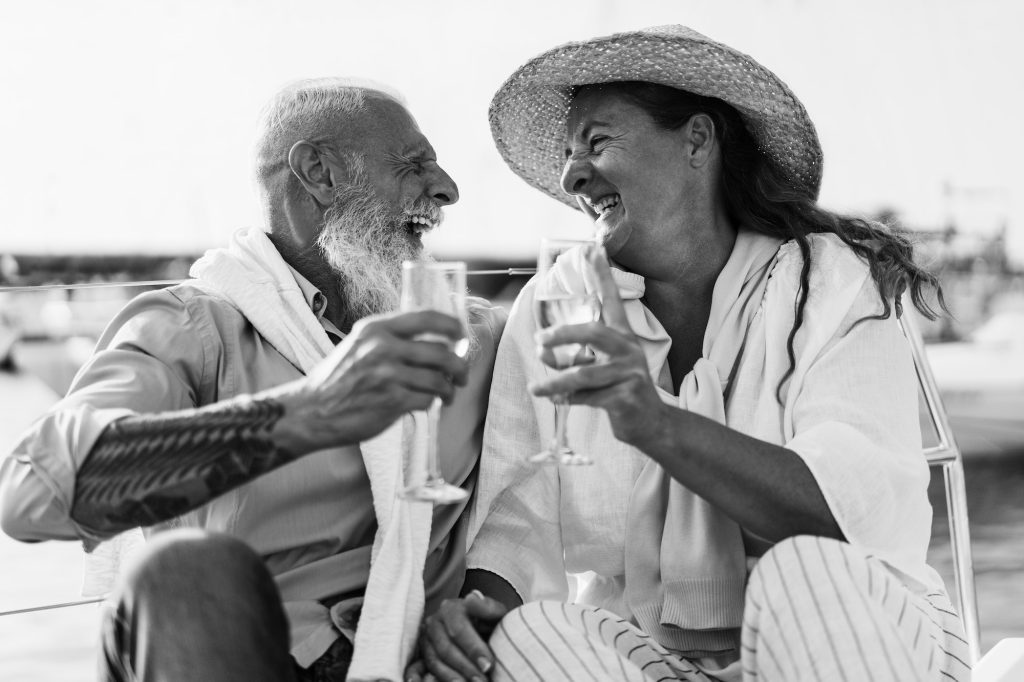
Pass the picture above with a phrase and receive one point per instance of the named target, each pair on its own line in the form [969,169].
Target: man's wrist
[296,430]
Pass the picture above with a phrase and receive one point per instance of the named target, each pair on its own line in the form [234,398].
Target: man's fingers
[408,325]
[434,356]
[426,381]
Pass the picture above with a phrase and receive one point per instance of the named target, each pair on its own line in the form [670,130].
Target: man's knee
[181,560]
[194,600]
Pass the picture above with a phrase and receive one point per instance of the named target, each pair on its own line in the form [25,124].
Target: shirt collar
[315,299]
[317,302]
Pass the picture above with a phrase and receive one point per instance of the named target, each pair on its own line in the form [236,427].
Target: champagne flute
[554,305]
[428,285]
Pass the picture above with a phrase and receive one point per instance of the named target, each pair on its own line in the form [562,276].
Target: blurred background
[126,129]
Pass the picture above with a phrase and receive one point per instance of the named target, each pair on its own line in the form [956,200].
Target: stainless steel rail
[947,454]
[48,607]
[508,272]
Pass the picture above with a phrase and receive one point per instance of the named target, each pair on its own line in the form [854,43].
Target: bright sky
[126,125]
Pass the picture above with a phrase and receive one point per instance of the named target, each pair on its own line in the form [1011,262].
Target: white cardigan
[849,410]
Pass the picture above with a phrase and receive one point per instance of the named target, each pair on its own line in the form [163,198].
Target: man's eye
[597,140]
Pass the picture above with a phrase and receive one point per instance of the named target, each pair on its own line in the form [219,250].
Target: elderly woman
[757,509]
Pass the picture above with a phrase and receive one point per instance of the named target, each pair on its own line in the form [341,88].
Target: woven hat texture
[528,113]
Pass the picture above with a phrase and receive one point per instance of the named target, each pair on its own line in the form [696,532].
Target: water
[995,502]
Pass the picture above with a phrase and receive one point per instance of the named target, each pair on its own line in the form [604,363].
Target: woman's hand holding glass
[554,305]
[618,380]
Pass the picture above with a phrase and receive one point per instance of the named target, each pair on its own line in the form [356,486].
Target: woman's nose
[575,175]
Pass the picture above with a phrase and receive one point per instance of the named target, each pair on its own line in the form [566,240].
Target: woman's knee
[552,618]
[794,559]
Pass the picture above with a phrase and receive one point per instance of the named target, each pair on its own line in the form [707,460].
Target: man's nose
[575,175]
[441,188]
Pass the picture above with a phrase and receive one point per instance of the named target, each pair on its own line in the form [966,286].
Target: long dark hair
[758,197]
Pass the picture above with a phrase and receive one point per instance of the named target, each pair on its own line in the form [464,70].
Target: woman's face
[630,175]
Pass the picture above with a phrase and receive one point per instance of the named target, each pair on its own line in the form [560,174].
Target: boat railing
[946,454]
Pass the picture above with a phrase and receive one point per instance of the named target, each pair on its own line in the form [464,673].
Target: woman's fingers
[593,334]
[588,378]
[612,311]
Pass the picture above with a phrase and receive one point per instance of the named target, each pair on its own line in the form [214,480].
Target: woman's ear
[310,166]
[700,139]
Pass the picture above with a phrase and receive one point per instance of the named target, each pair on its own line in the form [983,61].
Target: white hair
[365,244]
[311,110]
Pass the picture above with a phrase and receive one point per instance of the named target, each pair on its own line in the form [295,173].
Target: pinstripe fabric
[550,640]
[816,610]
[847,617]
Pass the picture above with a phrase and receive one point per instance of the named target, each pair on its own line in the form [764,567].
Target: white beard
[366,245]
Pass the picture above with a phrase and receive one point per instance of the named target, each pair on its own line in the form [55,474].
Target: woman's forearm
[765,488]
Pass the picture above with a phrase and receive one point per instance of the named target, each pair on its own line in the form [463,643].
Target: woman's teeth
[605,205]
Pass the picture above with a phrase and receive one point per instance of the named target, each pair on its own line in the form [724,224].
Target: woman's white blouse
[850,410]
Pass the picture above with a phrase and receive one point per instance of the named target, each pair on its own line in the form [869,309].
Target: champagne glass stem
[558,442]
[433,418]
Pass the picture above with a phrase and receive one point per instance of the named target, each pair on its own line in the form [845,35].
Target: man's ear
[310,166]
[700,139]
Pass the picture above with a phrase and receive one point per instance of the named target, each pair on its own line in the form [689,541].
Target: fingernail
[483,664]
[479,595]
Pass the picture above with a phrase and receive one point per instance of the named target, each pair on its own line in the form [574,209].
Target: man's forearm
[150,468]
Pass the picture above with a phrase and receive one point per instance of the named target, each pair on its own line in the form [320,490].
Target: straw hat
[528,113]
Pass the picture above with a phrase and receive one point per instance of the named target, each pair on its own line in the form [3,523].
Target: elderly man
[242,403]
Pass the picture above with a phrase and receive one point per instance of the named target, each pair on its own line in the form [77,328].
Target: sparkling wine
[567,309]
[459,347]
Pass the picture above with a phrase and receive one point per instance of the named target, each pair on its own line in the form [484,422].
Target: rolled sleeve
[37,480]
[152,357]
[856,425]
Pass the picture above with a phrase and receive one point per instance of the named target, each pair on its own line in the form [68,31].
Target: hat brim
[528,113]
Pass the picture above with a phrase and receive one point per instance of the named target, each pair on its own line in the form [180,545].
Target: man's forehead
[385,125]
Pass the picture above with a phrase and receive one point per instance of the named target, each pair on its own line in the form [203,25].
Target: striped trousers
[816,609]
